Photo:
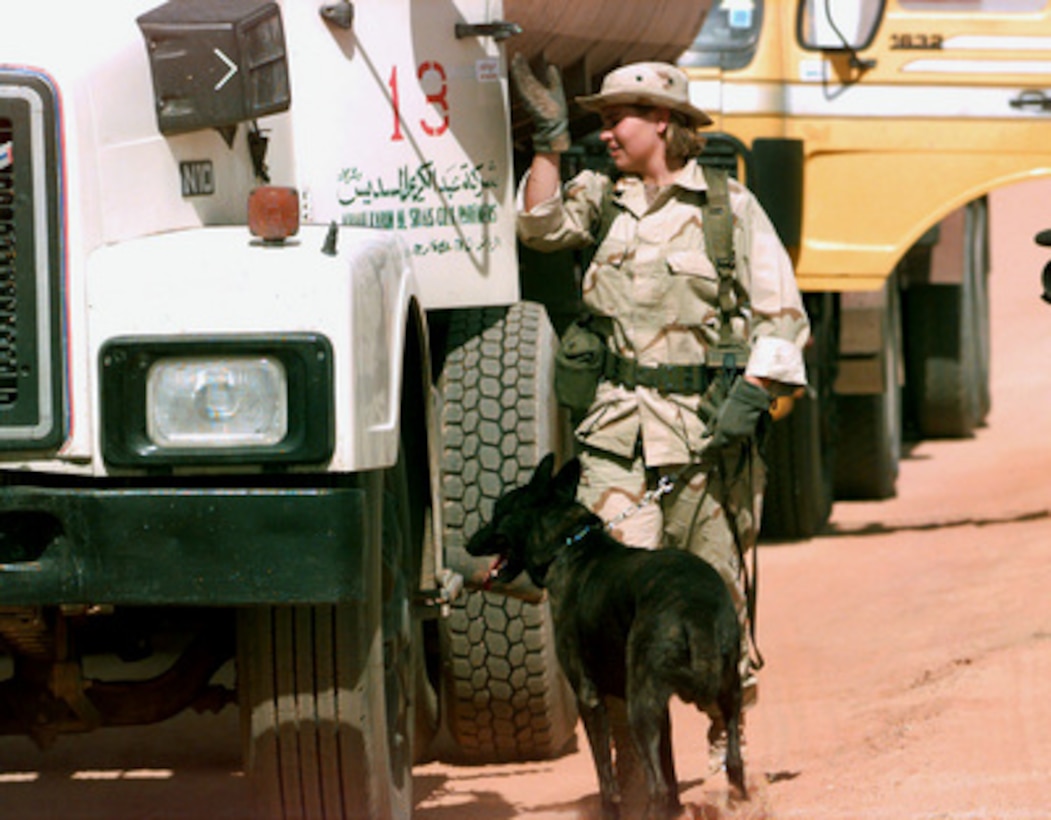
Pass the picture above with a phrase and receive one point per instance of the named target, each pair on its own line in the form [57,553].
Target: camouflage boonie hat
[652,84]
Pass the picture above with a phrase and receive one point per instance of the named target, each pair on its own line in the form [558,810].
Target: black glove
[546,105]
[741,413]
[712,401]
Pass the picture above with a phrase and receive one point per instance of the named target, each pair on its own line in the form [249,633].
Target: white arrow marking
[230,73]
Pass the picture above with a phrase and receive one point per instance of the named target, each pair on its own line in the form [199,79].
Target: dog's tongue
[494,570]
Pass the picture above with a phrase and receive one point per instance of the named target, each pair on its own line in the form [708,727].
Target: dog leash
[751,582]
[665,484]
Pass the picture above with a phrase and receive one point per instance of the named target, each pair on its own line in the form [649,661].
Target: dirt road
[908,649]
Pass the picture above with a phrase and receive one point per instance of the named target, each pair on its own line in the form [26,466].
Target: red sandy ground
[908,649]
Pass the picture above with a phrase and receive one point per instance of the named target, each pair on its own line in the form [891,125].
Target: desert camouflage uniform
[650,275]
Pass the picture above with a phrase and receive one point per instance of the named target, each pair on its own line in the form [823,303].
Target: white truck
[263,362]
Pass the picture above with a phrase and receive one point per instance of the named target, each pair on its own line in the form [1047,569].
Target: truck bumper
[186,546]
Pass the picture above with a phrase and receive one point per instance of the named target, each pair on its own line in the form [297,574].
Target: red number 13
[439,99]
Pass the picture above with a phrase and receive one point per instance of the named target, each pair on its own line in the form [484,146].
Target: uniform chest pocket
[694,285]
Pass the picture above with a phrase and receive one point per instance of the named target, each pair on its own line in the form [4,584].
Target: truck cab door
[727,42]
[914,107]
[400,120]
[954,44]
[951,59]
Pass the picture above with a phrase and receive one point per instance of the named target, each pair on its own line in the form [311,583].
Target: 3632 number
[916,42]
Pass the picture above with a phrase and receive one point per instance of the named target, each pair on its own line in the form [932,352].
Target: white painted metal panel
[400,125]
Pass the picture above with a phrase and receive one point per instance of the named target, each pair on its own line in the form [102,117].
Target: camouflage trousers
[694,515]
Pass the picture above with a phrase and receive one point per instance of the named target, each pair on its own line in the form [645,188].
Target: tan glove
[546,105]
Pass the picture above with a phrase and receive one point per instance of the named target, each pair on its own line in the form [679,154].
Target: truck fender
[354,286]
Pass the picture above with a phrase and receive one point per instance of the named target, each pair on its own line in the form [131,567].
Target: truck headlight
[223,402]
[217,401]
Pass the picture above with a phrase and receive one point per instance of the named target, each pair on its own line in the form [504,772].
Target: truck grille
[31,388]
[8,279]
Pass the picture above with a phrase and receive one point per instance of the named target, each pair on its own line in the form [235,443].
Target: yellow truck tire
[800,453]
[948,342]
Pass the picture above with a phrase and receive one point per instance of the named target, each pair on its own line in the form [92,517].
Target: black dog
[635,624]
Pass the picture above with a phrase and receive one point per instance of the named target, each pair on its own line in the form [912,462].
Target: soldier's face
[634,136]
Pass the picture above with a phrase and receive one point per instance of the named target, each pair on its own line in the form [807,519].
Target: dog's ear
[565,485]
[542,476]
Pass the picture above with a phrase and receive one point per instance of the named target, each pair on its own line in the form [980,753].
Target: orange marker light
[273,213]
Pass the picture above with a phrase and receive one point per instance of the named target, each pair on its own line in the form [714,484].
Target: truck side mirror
[216,64]
[838,25]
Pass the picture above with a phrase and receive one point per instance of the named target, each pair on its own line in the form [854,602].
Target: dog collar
[581,534]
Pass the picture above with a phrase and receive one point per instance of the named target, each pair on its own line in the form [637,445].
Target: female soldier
[662,409]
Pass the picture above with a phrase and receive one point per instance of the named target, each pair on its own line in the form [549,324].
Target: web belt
[684,379]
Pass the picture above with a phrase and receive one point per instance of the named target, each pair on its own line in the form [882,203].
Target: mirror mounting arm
[859,64]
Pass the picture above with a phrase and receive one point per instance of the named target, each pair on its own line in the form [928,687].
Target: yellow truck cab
[873,131]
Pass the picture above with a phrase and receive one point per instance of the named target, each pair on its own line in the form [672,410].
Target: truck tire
[326,691]
[869,427]
[948,352]
[800,450]
[504,697]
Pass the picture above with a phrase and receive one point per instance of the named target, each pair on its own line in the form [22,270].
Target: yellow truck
[873,130]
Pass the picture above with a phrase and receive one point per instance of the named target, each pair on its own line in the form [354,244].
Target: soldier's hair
[681,139]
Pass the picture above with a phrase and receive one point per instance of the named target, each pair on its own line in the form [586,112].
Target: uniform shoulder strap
[718,226]
[717,221]
[607,212]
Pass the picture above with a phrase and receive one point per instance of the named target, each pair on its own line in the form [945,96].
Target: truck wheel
[800,451]
[868,427]
[326,691]
[978,233]
[948,332]
[504,696]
